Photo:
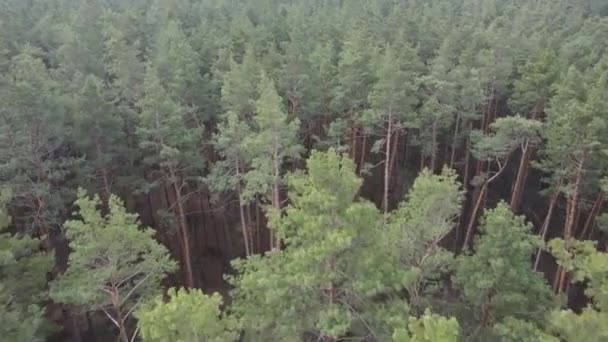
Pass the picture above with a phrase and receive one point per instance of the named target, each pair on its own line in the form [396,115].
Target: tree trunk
[433,146]
[92,334]
[257,227]
[68,316]
[467,162]
[387,163]
[545,226]
[244,225]
[454,141]
[473,217]
[597,207]
[480,198]
[119,319]
[276,200]
[394,154]
[242,211]
[352,144]
[363,152]
[250,229]
[185,235]
[571,212]
[573,201]
[522,171]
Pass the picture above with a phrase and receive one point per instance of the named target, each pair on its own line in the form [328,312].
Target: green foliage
[535,87]
[428,328]
[114,262]
[354,75]
[23,287]
[574,125]
[588,265]
[187,316]
[394,92]
[142,97]
[32,128]
[240,85]
[228,173]
[497,279]
[325,279]
[273,141]
[414,232]
[511,329]
[508,134]
[313,284]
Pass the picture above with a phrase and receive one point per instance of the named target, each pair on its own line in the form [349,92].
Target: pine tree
[415,232]
[240,85]
[274,141]
[98,133]
[229,173]
[575,126]
[312,285]
[23,283]
[114,264]
[582,260]
[496,279]
[188,315]
[33,132]
[392,101]
[354,78]
[172,146]
[532,94]
[508,135]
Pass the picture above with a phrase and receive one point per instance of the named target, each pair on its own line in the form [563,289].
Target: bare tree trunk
[597,206]
[467,162]
[572,209]
[473,218]
[433,146]
[521,176]
[244,225]
[573,200]
[545,226]
[363,152]
[257,226]
[394,154]
[184,232]
[119,320]
[422,158]
[387,163]
[242,211]
[454,141]
[276,200]
[250,230]
[353,143]
[480,198]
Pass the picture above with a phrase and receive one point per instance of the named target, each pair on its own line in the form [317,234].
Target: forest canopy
[318,170]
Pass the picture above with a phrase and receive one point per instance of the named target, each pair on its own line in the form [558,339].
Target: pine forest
[303,170]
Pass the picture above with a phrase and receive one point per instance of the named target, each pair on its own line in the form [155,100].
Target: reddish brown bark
[545,226]
[242,212]
[597,207]
[387,157]
[454,141]
[571,212]
[183,226]
[522,171]
[480,198]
